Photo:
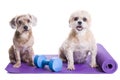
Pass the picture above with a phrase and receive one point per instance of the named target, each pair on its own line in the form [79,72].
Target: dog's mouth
[79,28]
[25,30]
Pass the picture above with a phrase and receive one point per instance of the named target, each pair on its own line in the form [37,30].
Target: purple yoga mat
[105,60]
[106,65]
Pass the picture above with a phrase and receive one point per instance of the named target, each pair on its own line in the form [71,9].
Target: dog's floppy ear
[70,19]
[33,20]
[13,23]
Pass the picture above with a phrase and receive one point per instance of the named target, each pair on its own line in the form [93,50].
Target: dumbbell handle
[45,62]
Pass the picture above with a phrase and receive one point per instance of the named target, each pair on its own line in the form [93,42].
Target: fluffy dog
[79,42]
[23,40]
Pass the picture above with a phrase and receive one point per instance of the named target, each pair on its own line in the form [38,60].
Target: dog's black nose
[79,22]
[26,27]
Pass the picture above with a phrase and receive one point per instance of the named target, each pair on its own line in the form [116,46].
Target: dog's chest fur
[23,41]
[80,44]
[79,41]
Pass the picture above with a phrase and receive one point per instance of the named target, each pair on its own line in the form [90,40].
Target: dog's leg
[12,55]
[69,56]
[31,54]
[18,60]
[25,56]
[93,57]
[62,55]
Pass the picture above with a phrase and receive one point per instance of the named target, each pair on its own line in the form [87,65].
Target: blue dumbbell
[55,64]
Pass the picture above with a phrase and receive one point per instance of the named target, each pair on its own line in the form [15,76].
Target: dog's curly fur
[23,40]
[79,40]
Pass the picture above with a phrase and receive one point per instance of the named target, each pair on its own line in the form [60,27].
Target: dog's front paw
[93,65]
[31,64]
[71,67]
[17,65]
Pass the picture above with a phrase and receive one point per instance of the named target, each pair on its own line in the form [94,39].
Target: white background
[52,29]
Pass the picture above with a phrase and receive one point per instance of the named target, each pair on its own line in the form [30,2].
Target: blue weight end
[35,59]
[55,64]
[38,60]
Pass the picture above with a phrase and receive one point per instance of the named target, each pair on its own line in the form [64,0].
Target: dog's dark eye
[28,20]
[84,19]
[20,22]
[76,18]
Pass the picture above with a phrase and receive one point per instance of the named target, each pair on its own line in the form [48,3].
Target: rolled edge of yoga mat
[105,60]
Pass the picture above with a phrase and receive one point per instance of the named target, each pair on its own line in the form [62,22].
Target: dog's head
[80,20]
[23,23]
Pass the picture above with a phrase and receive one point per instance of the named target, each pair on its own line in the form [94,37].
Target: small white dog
[23,40]
[79,42]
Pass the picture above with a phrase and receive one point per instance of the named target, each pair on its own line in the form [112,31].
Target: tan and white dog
[79,40]
[23,40]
